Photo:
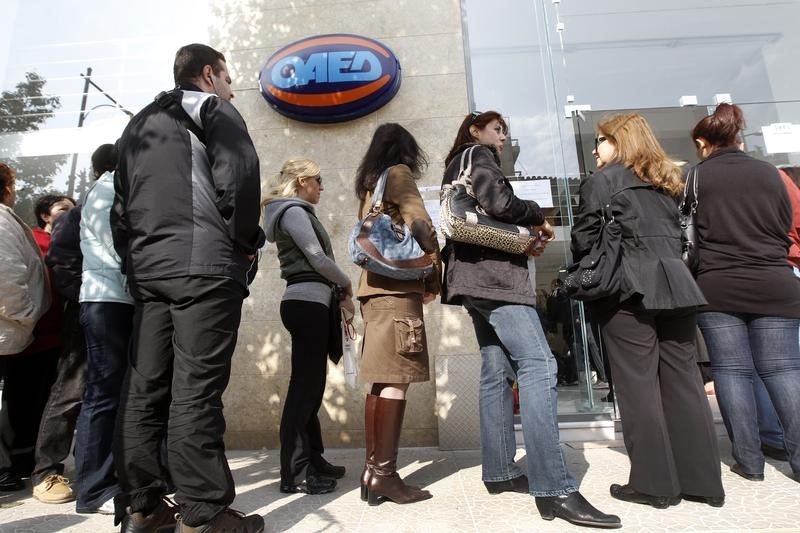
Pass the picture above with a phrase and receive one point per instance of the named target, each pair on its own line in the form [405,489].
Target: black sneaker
[10,482]
[313,484]
[324,468]
[226,521]
[160,520]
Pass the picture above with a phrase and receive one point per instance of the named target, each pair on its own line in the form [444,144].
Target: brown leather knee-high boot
[369,439]
[384,482]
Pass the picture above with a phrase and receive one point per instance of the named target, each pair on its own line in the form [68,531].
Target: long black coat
[652,269]
[481,272]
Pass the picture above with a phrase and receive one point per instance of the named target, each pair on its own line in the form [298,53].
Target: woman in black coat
[649,326]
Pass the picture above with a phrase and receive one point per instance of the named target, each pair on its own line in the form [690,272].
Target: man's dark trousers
[184,334]
[60,415]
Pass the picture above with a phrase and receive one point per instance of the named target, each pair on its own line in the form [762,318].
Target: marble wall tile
[431,103]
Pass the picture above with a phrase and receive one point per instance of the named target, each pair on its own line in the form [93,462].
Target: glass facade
[554,67]
[72,74]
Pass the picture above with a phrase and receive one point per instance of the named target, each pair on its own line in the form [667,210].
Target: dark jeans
[769,428]
[743,344]
[666,420]
[184,335]
[64,403]
[301,438]
[107,326]
[27,387]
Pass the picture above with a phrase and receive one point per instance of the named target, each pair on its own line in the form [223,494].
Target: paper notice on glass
[433,208]
[536,190]
[781,138]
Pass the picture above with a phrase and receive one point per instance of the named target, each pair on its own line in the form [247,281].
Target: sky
[130,47]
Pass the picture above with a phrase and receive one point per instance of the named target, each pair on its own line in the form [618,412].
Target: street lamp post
[87,78]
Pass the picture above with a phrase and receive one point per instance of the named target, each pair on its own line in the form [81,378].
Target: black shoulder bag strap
[170,102]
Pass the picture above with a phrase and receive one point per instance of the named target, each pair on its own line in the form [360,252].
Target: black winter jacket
[652,269]
[481,272]
[64,257]
[187,206]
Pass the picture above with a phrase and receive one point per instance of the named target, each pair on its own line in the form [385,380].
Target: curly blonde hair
[638,149]
[285,182]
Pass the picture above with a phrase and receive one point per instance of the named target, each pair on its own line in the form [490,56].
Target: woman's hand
[348,309]
[428,297]
[545,234]
[547,231]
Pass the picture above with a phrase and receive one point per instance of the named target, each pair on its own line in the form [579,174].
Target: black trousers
[300,434]
[184,334]
[60,414]
[666,421]
[26,388]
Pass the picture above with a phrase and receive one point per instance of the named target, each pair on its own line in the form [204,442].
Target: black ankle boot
[574,508]
[517,484]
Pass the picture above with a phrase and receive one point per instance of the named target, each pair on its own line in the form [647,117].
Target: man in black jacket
[185,224]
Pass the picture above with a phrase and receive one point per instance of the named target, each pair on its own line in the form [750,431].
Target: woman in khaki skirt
[394,353]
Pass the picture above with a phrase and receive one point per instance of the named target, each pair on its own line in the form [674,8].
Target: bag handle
[377,194]
[465,170]
[691,178]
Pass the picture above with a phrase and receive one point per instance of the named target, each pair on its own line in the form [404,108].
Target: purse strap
[380,188]
[465,170]
[691,184]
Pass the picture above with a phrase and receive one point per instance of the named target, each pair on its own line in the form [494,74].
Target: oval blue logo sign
[330,78]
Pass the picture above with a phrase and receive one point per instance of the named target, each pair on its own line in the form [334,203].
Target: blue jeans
[107,326]
[769,428]
[511,339]
[740,344]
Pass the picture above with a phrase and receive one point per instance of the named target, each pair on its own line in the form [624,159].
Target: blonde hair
[638,149]
[284,184]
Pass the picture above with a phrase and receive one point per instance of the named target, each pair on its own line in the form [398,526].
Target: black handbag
[690,253]
[598,274]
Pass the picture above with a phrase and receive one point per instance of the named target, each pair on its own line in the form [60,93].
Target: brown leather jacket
[402,202]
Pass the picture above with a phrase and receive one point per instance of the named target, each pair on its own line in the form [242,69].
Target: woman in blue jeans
[495,289]
[106,317]
[751,322]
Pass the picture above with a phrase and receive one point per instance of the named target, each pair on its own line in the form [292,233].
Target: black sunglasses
[598,141]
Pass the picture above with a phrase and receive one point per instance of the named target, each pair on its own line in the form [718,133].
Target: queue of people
[151,270]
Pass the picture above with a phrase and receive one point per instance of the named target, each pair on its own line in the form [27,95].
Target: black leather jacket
[481,272]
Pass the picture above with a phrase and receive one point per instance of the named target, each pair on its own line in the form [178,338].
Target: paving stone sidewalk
[460,502]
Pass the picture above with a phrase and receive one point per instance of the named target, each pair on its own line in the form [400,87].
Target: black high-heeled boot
[574,508]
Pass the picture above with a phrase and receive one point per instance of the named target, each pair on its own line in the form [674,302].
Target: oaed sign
[330,78]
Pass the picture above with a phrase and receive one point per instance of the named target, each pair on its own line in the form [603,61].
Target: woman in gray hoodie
[315,290]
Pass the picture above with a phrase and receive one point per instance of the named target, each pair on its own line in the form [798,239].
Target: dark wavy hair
[722,127]
[391,145]
[480,121]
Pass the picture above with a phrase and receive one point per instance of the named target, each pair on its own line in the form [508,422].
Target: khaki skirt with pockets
[394,349]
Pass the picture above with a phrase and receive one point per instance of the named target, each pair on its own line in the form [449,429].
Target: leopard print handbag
[462,218]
